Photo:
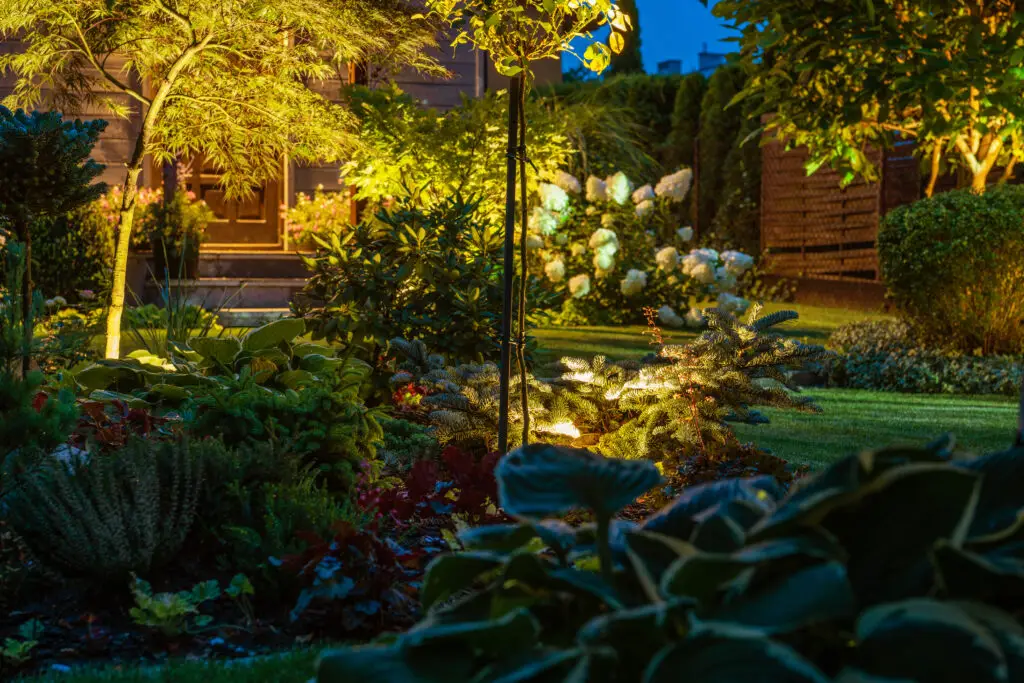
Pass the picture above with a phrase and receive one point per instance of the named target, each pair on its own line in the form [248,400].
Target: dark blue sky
[674,29]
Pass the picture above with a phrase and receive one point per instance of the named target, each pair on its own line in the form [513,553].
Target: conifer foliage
[670,405]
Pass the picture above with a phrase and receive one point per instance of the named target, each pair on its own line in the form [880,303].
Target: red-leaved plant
[109,425]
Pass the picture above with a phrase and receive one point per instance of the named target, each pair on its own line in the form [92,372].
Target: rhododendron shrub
[610,249]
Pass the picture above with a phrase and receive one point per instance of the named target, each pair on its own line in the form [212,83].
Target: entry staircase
[249,287]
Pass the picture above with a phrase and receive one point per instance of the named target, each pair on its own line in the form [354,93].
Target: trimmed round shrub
[953,266]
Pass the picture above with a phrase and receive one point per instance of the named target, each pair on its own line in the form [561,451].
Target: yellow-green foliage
[108,515]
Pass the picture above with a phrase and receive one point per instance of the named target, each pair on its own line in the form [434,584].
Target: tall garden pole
[521,328]
[509,263]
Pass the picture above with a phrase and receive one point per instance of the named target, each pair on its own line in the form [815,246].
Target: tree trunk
[124,235]
[524,397]
[509,263]
[979,181]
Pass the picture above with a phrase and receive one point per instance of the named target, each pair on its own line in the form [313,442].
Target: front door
[251,222]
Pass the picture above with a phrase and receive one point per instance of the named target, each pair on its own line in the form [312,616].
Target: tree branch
[180,18]
[91,58]
[936,165]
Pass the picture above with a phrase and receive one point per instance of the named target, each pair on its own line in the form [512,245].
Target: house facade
[254,224]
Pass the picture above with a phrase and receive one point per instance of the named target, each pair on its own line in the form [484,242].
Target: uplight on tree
[223,79]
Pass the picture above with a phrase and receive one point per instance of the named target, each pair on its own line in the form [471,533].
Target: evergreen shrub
[953,266]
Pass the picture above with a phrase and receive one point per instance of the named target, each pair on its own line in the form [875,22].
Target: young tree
[841,76]
[629,61]
[46,170]
[517,33]
[224,79]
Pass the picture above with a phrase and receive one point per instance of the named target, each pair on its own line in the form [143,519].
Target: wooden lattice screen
[812,228]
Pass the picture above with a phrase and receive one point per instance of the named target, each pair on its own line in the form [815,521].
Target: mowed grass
[814,326]
[293,667]
[855,420]
[851,420]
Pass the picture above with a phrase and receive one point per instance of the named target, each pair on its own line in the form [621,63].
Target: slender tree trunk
[524,397]
[124,236]
[935,168]
[509,263]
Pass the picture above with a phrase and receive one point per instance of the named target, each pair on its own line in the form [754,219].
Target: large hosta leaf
[719,653]
[651,555]
[537,666]
[510,634]
[217,350]
[540,480]
[124,375]
[966,574]
[450,574]
[273,333]
[637,634]
[677,518]
[887,538]
[791,601]
[930,642]
[1002,490]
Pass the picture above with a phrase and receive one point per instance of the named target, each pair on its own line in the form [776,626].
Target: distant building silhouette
[670,66]
[709,61]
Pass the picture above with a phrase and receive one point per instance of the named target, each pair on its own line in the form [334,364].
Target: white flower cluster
[597,190]
[731,303]
[553,198]
[56,302]
[543,221]
[642,194]
[634,282]
[555,270]
[645,208]
[667,258]
[685,233]
[675,186]
[605,244]
[579,285]
[567,182]
[619,188]
[669,318]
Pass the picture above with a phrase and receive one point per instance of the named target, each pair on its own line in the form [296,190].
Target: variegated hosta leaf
[677,519]
[928,640]
[540,480]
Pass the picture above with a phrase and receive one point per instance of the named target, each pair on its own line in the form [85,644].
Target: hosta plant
[896,564]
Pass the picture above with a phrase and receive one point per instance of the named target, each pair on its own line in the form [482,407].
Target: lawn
[854,420]
[293,667]
[814,326]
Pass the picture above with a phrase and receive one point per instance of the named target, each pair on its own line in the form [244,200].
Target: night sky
[674,29]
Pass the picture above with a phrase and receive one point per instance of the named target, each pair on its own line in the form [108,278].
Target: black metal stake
[509,262]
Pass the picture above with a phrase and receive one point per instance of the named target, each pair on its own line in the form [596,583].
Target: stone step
[233,292]
[251,317]
[252,265]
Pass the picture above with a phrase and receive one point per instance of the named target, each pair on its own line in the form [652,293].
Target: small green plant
[239,590]
[172,614]
[19,652]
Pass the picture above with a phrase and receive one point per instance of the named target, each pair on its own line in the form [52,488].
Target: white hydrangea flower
[644,208]
[543,221]
[604,262]
[553,198]
[60,301]
[634,282]
[685,233]
[534,242]
[703,273]
[597,189]
[642,194]
[607,220]
[669,318]
[555,270]
[579,285]
[567,182]
[732,304]
[724,279]
[578,249]
[591,210]
[675,186]
[695,318]
[706,254]
[667,258]
[737,262]
[561,239]
[619,188]
[692,260]
[604,240]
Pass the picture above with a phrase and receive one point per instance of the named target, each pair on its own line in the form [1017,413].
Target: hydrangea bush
[609,249]
[324,213]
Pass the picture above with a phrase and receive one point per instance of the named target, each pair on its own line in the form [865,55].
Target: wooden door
[252,222]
